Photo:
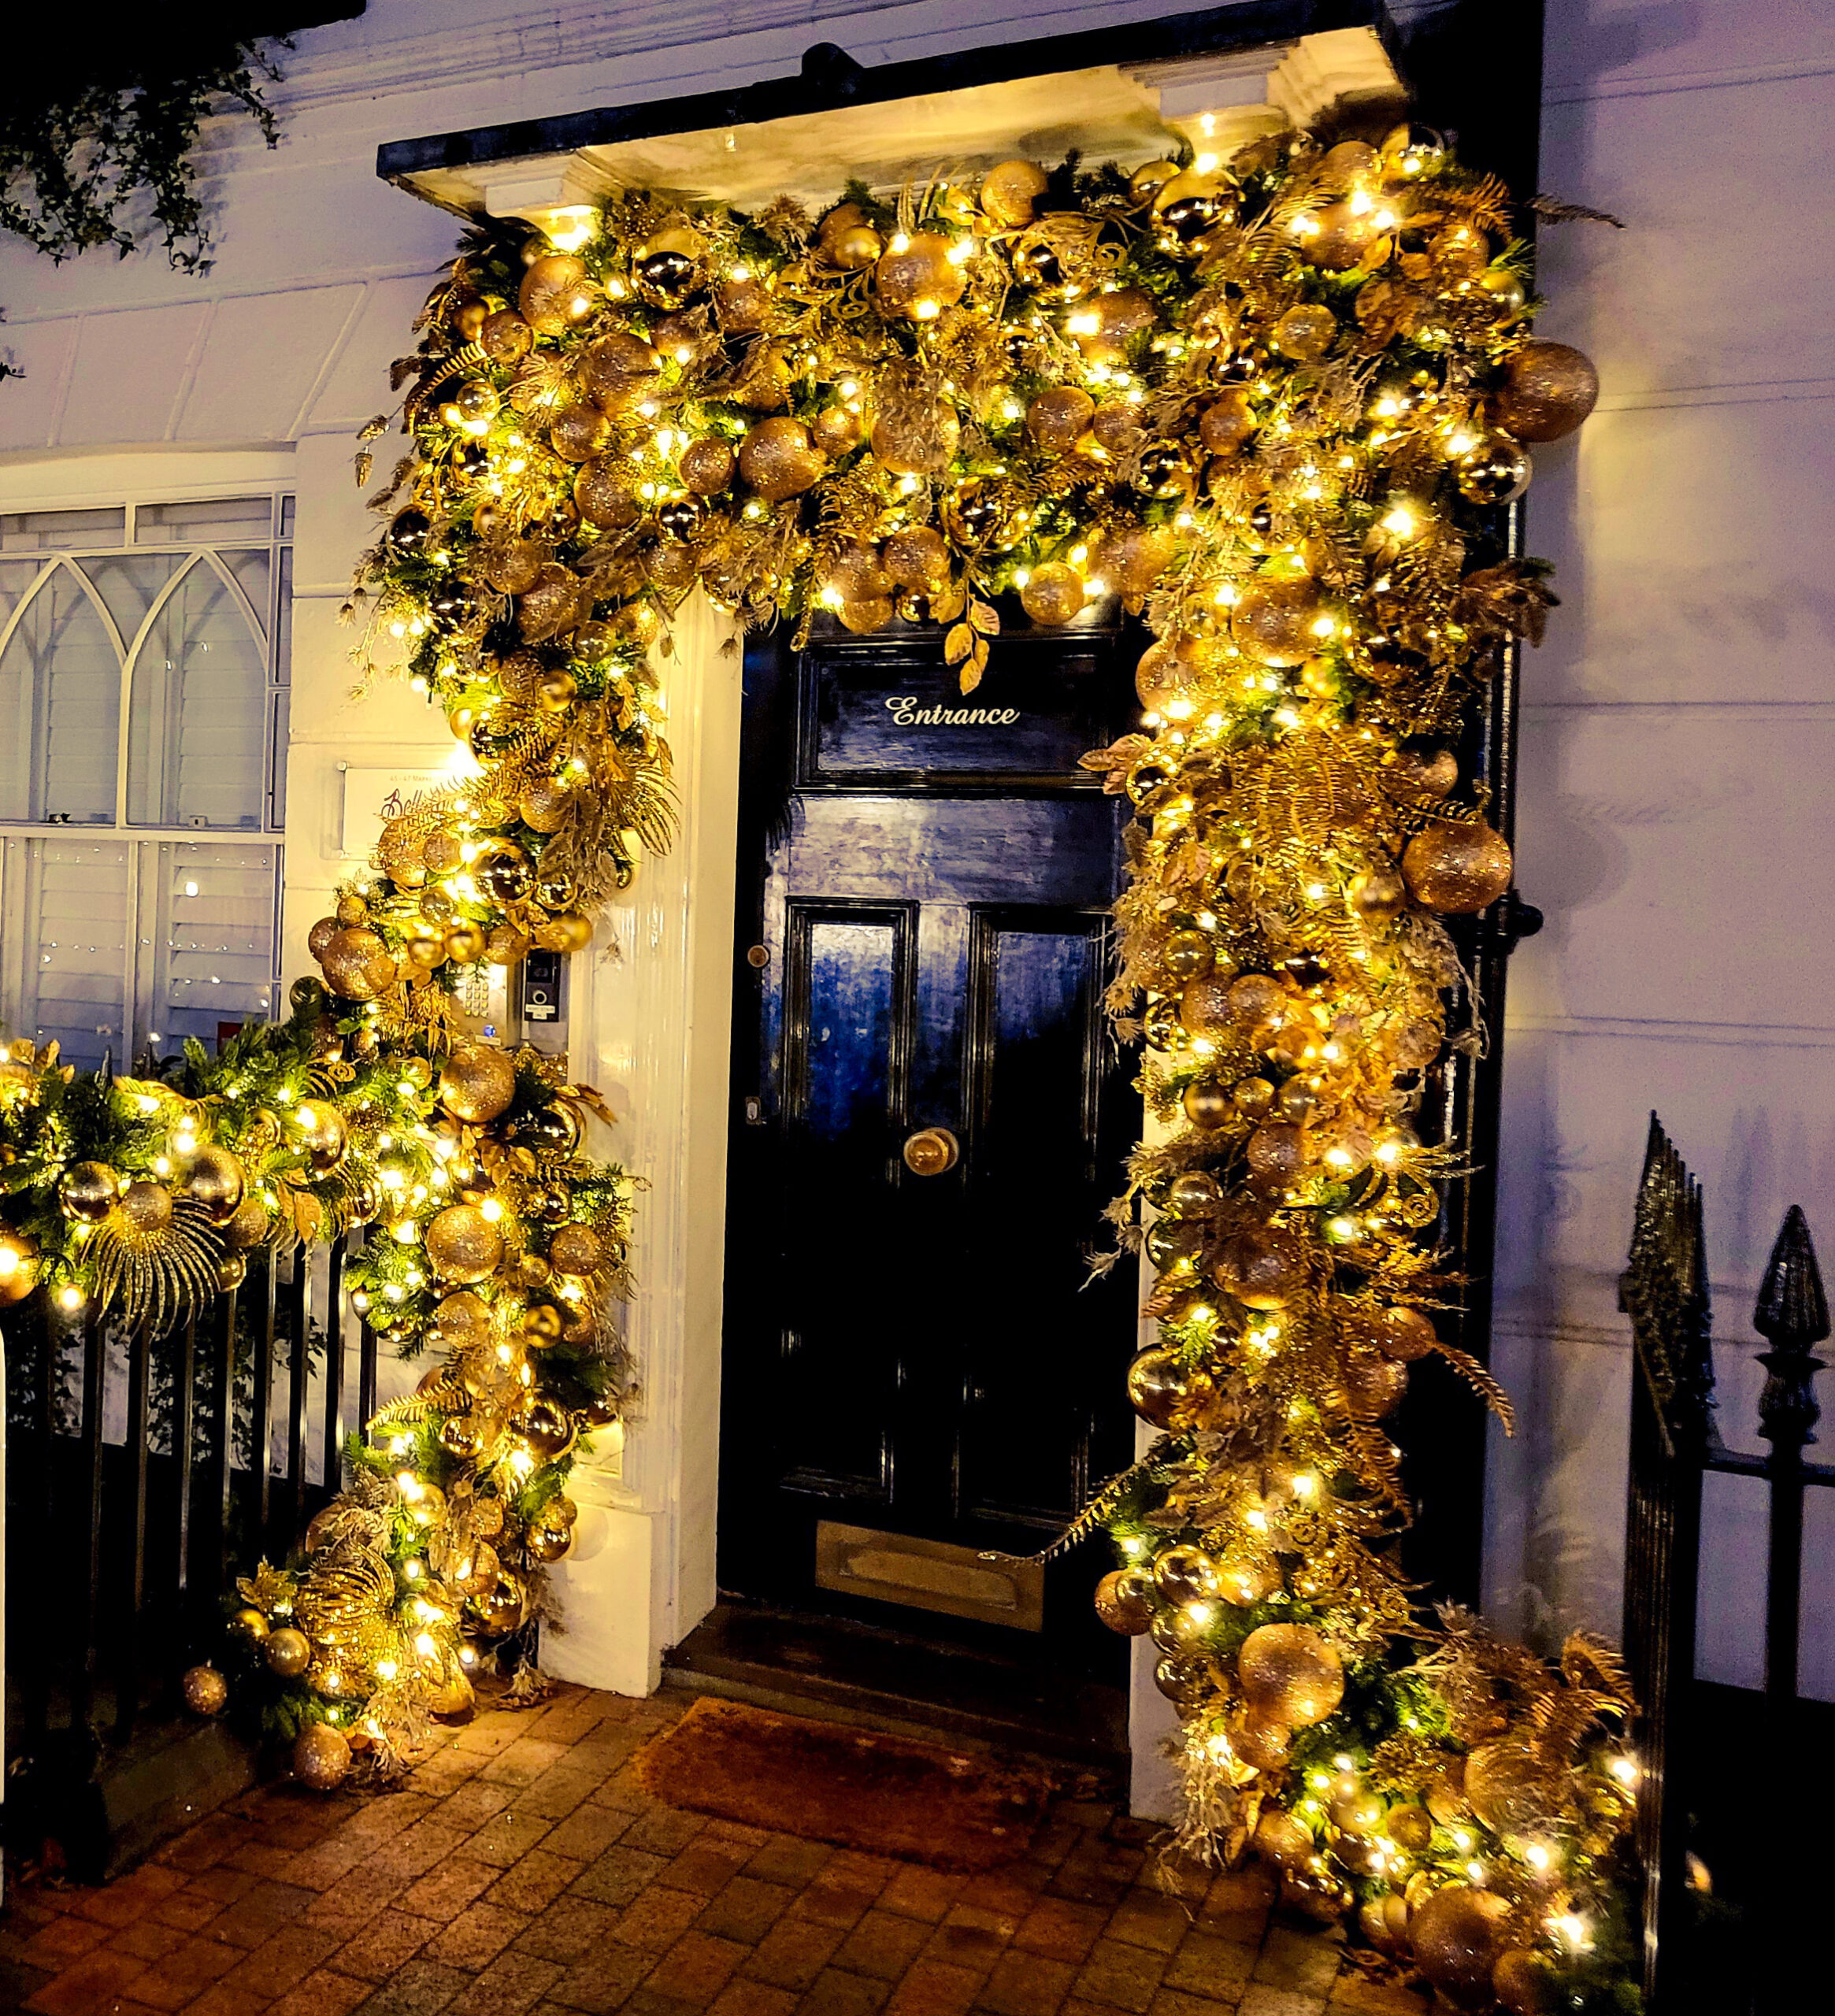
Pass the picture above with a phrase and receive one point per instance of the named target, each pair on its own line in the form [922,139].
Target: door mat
[884,1794]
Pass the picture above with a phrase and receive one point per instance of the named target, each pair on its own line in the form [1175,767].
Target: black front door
[930,1114]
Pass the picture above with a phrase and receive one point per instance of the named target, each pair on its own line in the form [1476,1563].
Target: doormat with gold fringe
[825,1781]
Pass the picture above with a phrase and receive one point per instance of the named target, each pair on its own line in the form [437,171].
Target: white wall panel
[264,357]
[130,371]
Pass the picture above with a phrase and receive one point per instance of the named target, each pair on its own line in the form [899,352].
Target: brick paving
[520,1871]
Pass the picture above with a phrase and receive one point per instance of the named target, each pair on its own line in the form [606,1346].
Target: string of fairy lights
[1274,406]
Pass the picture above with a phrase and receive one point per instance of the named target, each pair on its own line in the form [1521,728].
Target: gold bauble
[1184,1575]
[146,1207]
[542,1325]
[478,1083]
[352,909]
[1058,419]
[1337,236]
[1404,1334]
[250,1625]
[1106,325]
[1276,1154]
[1158,1386]
[1290,1674]
[576,1250]
[845,239]
[327,928]
[1273,621]
[322,1136]
[545,805]
[1525,1983]
[1204,1007]
[837,430]
[604,497]
[1264,1269]
[1262,1745]
[453,1699]
[618,368]
[1206,1106]
[546,1427]
[556,294]
[289,1652]
[463,1245]
[466,944]
[1281,1840]
[778,460]
[88,1192]
[920,280]
[1243,1579]
[1548,389]
[321,1757]
[744,306]
[1378,895]
[506,1609]
[548,1543]
[917,441]
[706,466]
[578,433]
[917,558]
[1132,560]
[232,1270]
[1227,422]
[1374,1384]
[1054,594]
[1458,867]
[853,573]
[1149,178]
[1124,1602]
[1116,429]
[357,965]
[1497,472]
[247,1225]
[1307,332]
[1458,1937]
[19,1267]
[513,568]
[506,336]
[570,932]
[1431,772]
[1166,670]
[215,1180]
[1191,205]
[1010,192]
[206,1691]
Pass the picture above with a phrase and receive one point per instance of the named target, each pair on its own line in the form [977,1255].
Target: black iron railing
[143,1471]
[1687,1755]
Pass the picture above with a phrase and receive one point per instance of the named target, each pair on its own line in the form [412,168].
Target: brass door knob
[931,1151]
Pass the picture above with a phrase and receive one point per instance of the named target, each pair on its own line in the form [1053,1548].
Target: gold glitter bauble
[206,1691]
[357,965]
[618,368]
[854,573]
[1132,560]
[1058,419]
[1337,236]
[1404,1334]
[1124,1602]
[1276,1154]
[327,928]
[1281,1840]
[1227,422]
[1307,332]
[1548,389]
[578,433]
[1374,1384]
[1204,1008]
[506,336]
[463,1245]
[1010,192]
[545,806]
[321,1757]
[478,1083]
[604,497]
[1262,1745]
[778,460]
[837,430]
[1290,1674]
[1458,1938]
[920,280]
[556,294]
[917,558]
[1525,1983]
[1457,867]
[1273,621]
[706,466]
[513,568]
[88,1192]
[215,1180]
[1054,594]
[1106,325]
[146,1207]
[289,1652]
[1263,1268]
[576,1250]
[247,1225]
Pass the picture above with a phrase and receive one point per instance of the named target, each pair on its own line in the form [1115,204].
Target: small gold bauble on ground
[357,965]
[477,1082]
[146,1207]
[1290,1674]
[321,1757]
[1058,419]
[1124,1602]
[88,1192]
[576,1250]
[556,294]
[1273,621]
[463,1245]
[778,460]
[1053,595]
[919,280]
[1458,867]
[1457,1937]
[1010,192]
[206,1691]
[1548,389]
[289,1652]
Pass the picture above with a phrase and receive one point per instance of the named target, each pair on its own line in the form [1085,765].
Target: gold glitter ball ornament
[556,294]
[1273,620]
[1010,192]
[618,368]
[1227,422]
[576,1250]
[1548,389]
[1281,1840]
[1104,327]
[357,965]
[321,1757]
[1457,867]
[706,466]
[1057,420]
[1307,332]
[478,1083]
[247,1225]
[578,433]
[1458,1939]
[206,1691]
[463,1245]
[1525,1983]
[146,1207]
[88,1192]
[506,336]
[215,1180]
[288,1652]
[327,928]
[917,558]
[605,497]
[919,278]
[1290,1675]
[1053,595]
[778,460]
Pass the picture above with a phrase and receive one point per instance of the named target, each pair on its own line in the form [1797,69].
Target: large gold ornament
[1457,867]
[88,1192]
[1548,389]
[289,1652]
[478,1083]
[1290,1674]
[321,1757]
[215,1181]
[1458,1938]
[463,1244]
[206,1691]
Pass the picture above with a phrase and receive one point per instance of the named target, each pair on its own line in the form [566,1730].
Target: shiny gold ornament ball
[1548,389]
[1494,472]
[706,466]
[576,1250]
[289,1652]
[920,280]
[545,806]
[322,1134]
[605,497]
[778,460]
[1307,332]
[19,1270]
[1058,419]
[1010,192]
[1185,1575]
[250,1624]
[1281,1839]
[1457,1936]
[232,1270]
[1290,1674]
[1158,1386]
[506,336]
[1227,422]
[321,1757]
[1405,1335]
[1458,867]
[206,1691]
[557,294]
[1105,327]
[1053,595]
[548,1543]
[1264,1269]
[478,1083]
[1273,621]
[328,927]
[88,1192]
[546,1427]
[1132,560]
[505,1608]
[146,1207]
[466,944]
[357,965]
[917,558]
[1206,1106]
[463,1245]
[1149,178]
[1124,1602]
[1378,895]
